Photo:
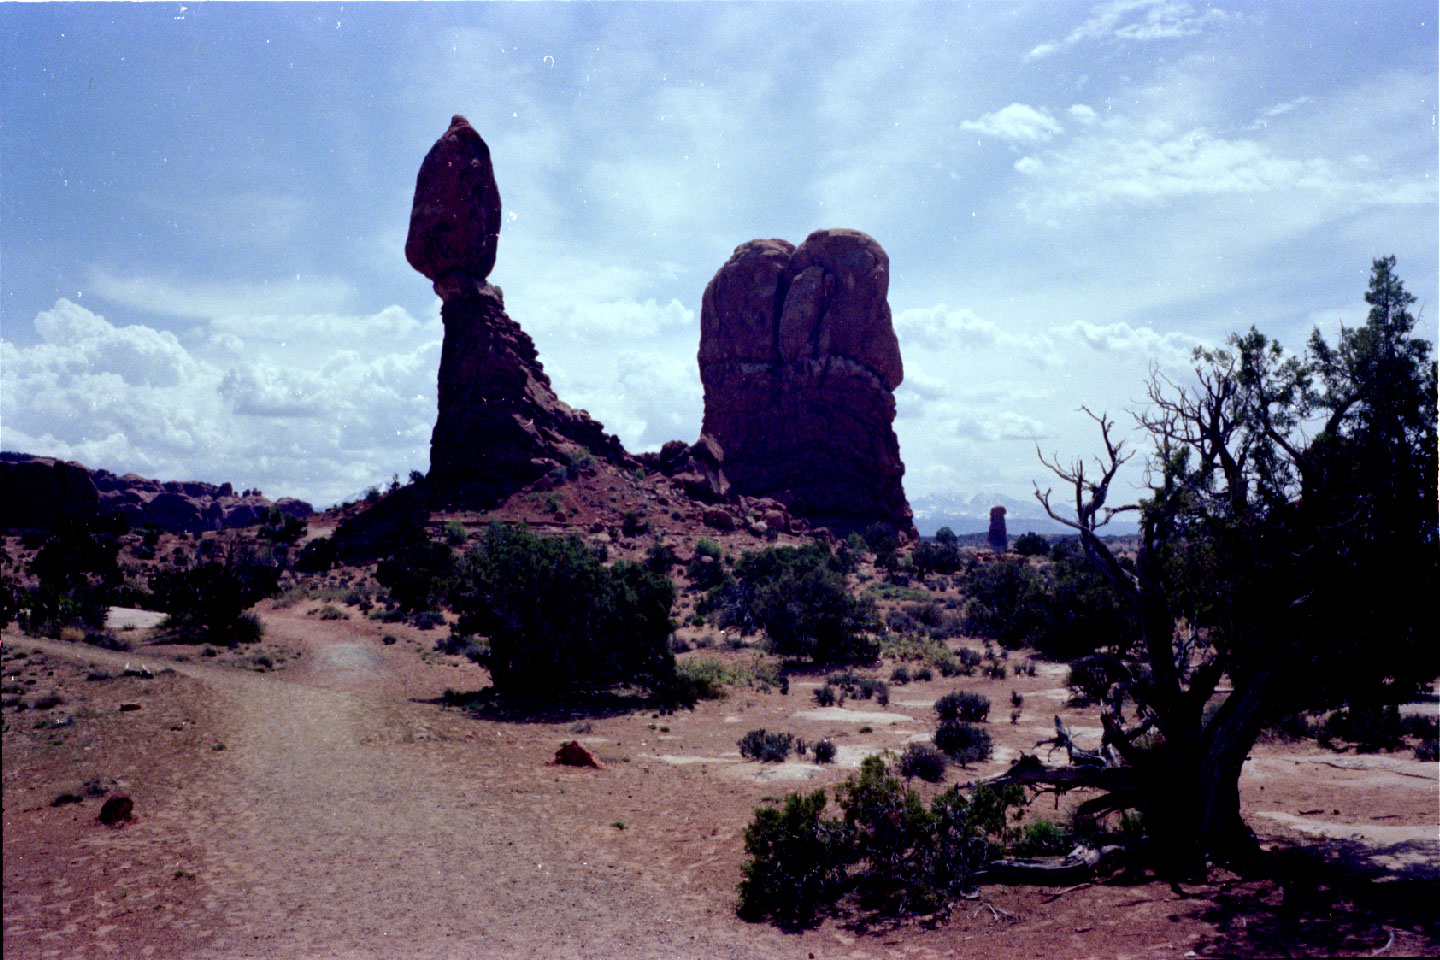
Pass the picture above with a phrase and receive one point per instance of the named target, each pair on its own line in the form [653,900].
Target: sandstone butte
[799,362]
[500,425]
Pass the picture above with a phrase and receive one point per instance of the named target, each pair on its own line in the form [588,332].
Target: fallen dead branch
[1076,867]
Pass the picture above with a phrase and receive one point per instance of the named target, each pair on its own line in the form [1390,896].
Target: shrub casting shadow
[489,704]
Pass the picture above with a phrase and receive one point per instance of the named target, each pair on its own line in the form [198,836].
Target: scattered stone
[117,810]
[799,361]
[576,754]
[129,707]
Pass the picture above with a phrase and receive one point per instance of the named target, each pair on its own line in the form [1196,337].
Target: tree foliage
[888,850]
[799,596]
[558,619]
[1288,542]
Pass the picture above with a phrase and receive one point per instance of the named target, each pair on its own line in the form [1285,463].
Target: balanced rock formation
[500,425]
[799,362]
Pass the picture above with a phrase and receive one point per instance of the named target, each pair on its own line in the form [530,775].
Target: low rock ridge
[799,362]
[42,492]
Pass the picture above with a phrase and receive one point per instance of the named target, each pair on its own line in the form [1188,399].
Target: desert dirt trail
[338,821]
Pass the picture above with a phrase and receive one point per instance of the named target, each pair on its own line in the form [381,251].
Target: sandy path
[337,823]
[345,819]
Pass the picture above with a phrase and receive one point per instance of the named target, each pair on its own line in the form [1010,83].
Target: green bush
[1067,610]
[706,569]
[559,620]
[797,860]
[1370,726]
[824,751]
[799,597]
[922,760]
[888,850]
[963,742]
[1031,545]
[207,603]
[826,696]
[963,705]
[766,747]
[1042,839]
[418,576]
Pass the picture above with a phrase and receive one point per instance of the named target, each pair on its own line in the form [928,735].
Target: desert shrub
[659,559]
[826,696]
[316,556]
[706,569]
[1066,611]
[1042,839]
[797,861]
[766,747]
[207,603]
[824,751]
[558,619]
[922,674]
[1428,749]
[963,742]
[900,676]
[329,612]
[455,534]
[1031,545]
[941,555]
[798,596]
[910,858]
[418,576]
[922,760]
[1090,678]
[963,705]
[1369,726]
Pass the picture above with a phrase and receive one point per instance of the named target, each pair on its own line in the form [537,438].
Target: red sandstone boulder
[455,216]
[576,754]
[799,361]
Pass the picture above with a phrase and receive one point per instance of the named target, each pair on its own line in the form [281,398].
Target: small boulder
[720,519]
[117,810]
[576,754]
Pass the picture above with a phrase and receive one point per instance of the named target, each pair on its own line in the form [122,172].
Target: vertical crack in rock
[799,362]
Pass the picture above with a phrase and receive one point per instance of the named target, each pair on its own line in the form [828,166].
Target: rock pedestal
[799,362]
[499,425]
[997,538]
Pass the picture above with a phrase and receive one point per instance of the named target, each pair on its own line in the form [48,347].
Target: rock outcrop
[799,362]
[699,468]
[42,492]
[997,537]
[500,425]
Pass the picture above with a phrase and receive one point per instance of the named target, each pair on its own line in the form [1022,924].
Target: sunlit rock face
[499,425]
[799,362]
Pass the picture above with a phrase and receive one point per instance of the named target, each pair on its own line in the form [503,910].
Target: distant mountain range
[970,513]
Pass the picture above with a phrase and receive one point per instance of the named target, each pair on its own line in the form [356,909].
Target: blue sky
[203,209]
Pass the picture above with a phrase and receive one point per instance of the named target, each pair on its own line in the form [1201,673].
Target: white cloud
[1081,113]
[1121,20]
[1166,349]
[1018,122]
[204,300]
[320,421]
[1146,160]
[941,329]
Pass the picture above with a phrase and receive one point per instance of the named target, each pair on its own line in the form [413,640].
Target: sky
[203,210]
